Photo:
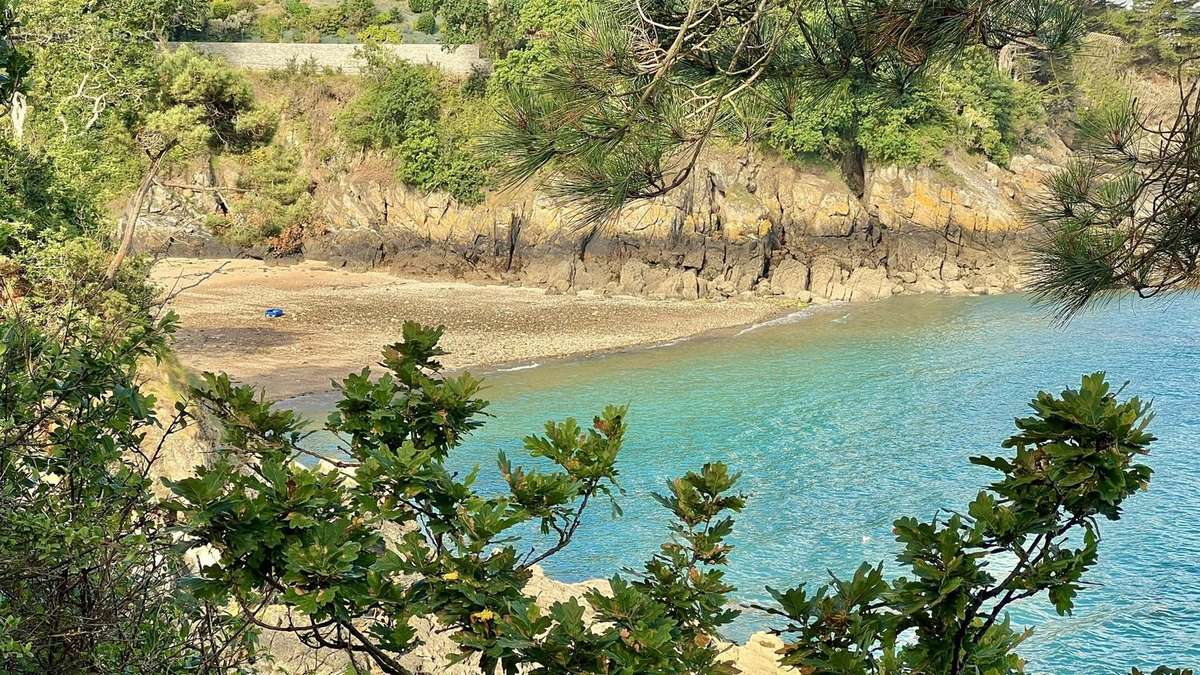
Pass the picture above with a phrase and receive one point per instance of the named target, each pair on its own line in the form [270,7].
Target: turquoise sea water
[846,419]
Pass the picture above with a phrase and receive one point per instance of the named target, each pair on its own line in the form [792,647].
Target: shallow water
[847,418]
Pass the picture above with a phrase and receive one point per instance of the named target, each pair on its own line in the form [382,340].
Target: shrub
[222,9]
[461,174]
[296,9]
[991,112]
[270,27]
[395,95]
[320,536]
[418,155]
[221,96]
[476,83]
[380,33]
[323,21]
[910,133]
[36,205]
[231,21]
[905,132]
[357,14]
[971,105]
[275,172]
[91,578]
[425,23]
[276,200]
[523,36]
[422,6]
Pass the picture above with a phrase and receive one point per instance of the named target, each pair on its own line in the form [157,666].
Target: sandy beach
[336,321]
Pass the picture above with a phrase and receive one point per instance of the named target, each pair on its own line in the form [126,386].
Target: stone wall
[276,55]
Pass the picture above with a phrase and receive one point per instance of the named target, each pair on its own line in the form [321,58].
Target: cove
[845,419]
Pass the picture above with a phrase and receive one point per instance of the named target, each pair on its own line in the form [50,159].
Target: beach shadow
[234,340]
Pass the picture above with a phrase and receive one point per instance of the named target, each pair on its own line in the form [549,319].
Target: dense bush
[380,33]
[905,132]
[36,206]
[991,113]
[972,106]
[425,23]
[291,19]
[406,110]
[521,43]
[91,577]
[221,96]
[427,161]
[276,199]
[395,95]
[1161,32]
[357,14]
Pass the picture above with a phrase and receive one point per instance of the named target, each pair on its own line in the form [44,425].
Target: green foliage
[418,155]
[991,112]
[103,102]
[465,21]
[223,9]
[90,83]
[35,204]
[90,576]
[381,33]
[216,96]
[270,27]
[276,200]
[426,162]
[14,65]
[395,95]
[1121,217]
[907,132]
[971,105]
[400,109]
[316,541]
[1033,532]
[50,244]
[1161,32]
[422,6]
[660,622]
[632,94]
[288,20]
[357,14]
[522,36]
[425,23]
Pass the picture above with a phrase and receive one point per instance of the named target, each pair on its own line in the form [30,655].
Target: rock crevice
[774,230]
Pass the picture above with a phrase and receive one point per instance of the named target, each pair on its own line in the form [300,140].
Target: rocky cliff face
[741,226]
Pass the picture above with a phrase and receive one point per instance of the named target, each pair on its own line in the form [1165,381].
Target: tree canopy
[1124,216]
[633,94]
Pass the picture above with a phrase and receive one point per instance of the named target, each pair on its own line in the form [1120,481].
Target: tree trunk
[17,113]
[853,164]
[132,213]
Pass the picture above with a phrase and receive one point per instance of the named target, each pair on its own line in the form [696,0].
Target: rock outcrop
[737,227]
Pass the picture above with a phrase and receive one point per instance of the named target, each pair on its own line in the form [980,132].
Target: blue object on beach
[273,313]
